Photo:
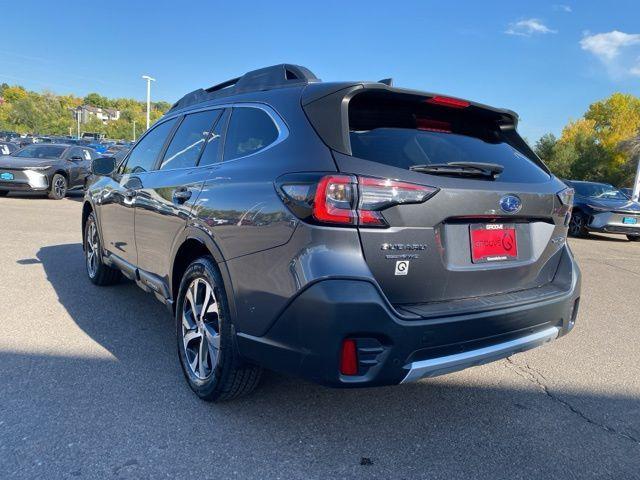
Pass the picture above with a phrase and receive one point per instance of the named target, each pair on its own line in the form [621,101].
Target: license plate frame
[493,242]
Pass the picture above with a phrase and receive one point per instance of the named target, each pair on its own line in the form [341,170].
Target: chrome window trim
[281,126]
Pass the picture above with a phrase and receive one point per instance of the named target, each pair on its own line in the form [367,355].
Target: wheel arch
[62,172]
[87,209]
[190,245]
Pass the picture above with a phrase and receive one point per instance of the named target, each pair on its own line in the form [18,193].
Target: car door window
[144,155]
[250,130]
[74,152]
[86,154]
[187,143]
[213,148]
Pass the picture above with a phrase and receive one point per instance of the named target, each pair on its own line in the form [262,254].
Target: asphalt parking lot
[91,387]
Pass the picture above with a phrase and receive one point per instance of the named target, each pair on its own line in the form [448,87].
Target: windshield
[599,190]
[41,151]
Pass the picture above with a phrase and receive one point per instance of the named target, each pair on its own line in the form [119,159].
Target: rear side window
[74,152]
[187,143]
[145,153]
[87,154]
[404,134]
[250,130]
[213,147]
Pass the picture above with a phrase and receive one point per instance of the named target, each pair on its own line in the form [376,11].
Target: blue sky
[546,60]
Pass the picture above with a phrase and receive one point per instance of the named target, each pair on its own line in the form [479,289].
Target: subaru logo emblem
[510,204]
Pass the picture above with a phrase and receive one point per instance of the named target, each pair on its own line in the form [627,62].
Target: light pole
[134,130]
[149,80]
[78,114]
[636,183]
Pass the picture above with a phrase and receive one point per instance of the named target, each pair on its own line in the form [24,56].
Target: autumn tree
[49,114]
[592,147]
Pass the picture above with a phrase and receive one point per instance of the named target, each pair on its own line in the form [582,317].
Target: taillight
[348,200]
[377,194]
[448,102]
[430,125]
[566,199]
[335,199]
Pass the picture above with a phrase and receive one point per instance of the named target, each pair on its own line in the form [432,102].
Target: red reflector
[349,358]
[448,102]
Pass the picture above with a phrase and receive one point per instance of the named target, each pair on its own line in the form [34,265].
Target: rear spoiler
[327,107]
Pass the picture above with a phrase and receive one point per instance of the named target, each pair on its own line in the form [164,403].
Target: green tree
[97,100]
[13,94]
[544,146]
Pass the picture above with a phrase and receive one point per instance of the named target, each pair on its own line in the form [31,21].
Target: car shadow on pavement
[459,425]
[74,195]
[607,238]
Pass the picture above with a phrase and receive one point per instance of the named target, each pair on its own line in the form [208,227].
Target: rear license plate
[6,176]
[630,220]
[493,243]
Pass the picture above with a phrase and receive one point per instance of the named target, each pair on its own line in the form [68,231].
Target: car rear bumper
[307,338]
[451,363]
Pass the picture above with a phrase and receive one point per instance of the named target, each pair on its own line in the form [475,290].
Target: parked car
[113,149]
[7,148]
[7,135]
[351,233]
[600,207]
[627,191]
[50,168]
[99,147]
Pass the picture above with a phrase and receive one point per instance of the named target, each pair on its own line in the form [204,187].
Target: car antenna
[387,81]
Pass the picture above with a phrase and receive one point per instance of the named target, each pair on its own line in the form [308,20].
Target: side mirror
[103,166]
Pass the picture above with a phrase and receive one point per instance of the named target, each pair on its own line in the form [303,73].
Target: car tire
[58,189]
[578,225]
[633,238]
[205,336]
[98,272]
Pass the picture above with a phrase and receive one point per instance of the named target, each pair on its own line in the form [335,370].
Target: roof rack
[276,76]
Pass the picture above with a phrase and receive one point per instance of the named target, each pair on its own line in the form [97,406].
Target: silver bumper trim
[452,363]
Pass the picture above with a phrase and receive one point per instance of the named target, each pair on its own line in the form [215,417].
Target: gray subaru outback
[353,233]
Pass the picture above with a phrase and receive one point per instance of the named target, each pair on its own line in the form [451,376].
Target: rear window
[404,134]
[250,131]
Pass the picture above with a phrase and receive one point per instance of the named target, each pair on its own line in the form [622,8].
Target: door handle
[181,195]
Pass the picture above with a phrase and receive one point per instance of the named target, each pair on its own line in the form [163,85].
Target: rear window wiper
[463,169]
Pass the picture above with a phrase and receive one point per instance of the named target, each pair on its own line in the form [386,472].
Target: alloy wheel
[201,328]
[59,187]
[575,225]
[92,250]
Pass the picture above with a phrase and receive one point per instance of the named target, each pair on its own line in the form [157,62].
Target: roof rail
[276,76]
